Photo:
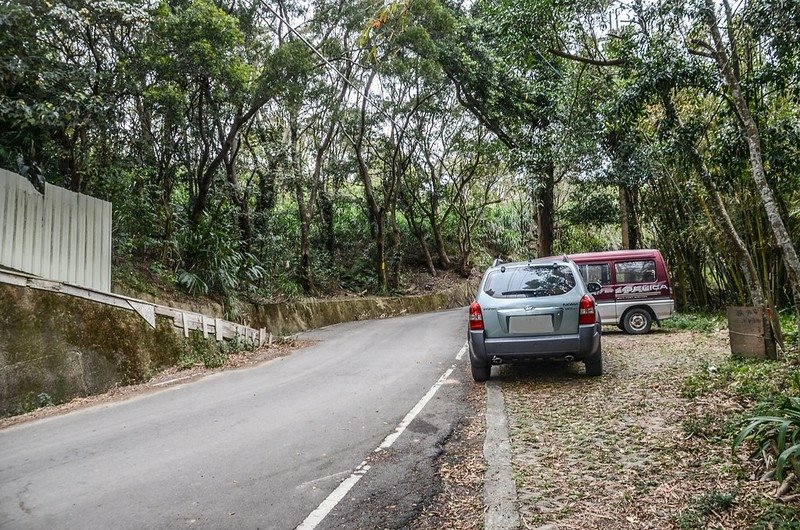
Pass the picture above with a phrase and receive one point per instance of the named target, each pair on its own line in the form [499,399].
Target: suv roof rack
[497,262]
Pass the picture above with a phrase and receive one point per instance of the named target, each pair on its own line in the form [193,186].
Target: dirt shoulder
[458,504]
[626,450]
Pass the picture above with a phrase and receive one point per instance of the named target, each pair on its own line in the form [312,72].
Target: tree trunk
[416,229]
[727,67]
[545,211]
[744,258]
[240,200]
[397,251]
[426,252]
[303,211]
[380,252]
[623,218]
[438,238]
[737,245]
[326,208]
[629,219]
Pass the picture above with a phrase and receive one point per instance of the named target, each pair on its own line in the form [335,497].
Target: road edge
[499,489]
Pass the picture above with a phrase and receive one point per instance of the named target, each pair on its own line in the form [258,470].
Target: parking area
[625,450]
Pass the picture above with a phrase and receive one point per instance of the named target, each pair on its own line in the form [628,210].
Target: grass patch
[789,328]
[776,517]
[704,425]
[759,380]
[703,322]
[696,516]
[209,353]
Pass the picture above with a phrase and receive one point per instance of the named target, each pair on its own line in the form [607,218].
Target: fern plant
[779,434]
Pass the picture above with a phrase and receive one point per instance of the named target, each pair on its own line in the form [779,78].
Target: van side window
[596,272]
[635,271]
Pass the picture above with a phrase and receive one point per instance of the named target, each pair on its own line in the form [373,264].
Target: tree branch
[587,60]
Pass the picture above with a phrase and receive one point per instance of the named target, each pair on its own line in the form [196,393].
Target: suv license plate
[531,324]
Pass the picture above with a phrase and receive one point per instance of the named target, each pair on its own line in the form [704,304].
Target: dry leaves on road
[459,503]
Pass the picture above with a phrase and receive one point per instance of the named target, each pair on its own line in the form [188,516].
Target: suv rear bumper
[583,345]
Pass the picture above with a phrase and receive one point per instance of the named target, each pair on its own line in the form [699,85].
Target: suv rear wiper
[525,291]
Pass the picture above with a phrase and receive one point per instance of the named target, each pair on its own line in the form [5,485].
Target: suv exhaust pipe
[569,358]
[497,360]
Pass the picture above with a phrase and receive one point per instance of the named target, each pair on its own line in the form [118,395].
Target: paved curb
[499,488]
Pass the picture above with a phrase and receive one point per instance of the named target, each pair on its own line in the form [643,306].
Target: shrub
[777,434]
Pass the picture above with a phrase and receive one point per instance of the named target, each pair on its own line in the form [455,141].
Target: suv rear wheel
[594,365]
[637,321]
[481,373]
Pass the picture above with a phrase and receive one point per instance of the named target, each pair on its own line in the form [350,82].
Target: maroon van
[635,287]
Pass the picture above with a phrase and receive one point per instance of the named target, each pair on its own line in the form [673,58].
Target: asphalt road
[253,448]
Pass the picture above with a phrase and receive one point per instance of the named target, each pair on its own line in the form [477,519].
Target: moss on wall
[288,318]
[55,347]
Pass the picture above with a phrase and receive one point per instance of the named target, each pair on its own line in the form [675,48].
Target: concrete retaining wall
[288,318]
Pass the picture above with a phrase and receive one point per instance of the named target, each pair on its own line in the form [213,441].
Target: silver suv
[539,309]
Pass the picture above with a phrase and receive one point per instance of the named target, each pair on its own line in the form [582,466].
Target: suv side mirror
[594,287]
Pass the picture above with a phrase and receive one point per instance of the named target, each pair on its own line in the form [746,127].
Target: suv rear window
[533,281]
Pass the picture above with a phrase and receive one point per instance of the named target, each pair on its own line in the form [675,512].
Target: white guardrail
[185,320]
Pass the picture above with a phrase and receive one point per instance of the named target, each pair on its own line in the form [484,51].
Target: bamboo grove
[274,148]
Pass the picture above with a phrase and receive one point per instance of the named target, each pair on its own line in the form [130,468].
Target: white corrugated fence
[63,236]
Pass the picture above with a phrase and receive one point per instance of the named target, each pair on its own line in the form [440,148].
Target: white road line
[330,502]
[389,440]
[321,479]
[169,381]
[461,352]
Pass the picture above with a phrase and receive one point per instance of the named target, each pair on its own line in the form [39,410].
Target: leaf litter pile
[626,450]
[458,505]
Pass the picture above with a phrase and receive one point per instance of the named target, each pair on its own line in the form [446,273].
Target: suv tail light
[475,317]
[588,314]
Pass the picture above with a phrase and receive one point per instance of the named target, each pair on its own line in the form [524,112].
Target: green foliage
[777,434]
[506,231]
[208,126]
[788,322]
[44,399]
[592,205]
[214,262]
[198,350]
[776,516]
[209,353]
[200,41]
[704,426]
[696,516]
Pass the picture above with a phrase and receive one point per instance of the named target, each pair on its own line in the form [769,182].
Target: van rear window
[643,271]
[533,281]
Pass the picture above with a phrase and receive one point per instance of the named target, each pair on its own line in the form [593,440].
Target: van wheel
[481,373]
[594,366]
[637,322]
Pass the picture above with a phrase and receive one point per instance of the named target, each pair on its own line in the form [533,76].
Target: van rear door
[637,281]
[600,272]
